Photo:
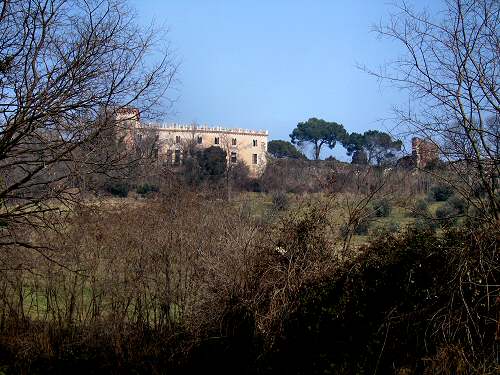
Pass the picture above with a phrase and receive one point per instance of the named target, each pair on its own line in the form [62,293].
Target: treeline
[371,147]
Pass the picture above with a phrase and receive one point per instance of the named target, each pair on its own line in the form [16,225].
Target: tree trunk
[317,150]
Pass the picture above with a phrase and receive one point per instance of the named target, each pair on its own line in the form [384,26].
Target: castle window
[177,157]
[199,140]
[177,139]
[216,141]
[233,157]
[234,142]
[255,144]
[254,158]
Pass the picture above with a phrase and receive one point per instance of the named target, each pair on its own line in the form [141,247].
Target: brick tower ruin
[424,151]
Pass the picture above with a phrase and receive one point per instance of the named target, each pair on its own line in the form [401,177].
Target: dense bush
[382,208]
[440,193]
[458,205]
[380,314]
[118,189]
[184,290]
[362,228]
[146,189]
[421,209]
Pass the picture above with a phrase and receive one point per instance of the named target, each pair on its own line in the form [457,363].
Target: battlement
[202,128]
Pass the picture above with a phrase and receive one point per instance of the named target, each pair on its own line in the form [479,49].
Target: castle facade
[174,140]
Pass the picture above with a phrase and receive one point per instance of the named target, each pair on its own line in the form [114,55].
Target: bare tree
[450,67]
[66,68]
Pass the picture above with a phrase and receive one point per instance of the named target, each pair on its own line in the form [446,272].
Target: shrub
[421,209]
[388,299]
[391,227]
[440,193]
[362,228]
[425,225]
[382,208]
[280,201]
[457,204]
[254,185]
[446,215]
[240,176]
[212,162]
[118,189]
[146,189]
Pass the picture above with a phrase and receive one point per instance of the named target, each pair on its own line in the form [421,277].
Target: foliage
[173,294]
[388,229]
[118,189]
[146,189]
[458,205]
[362,227]
[359,157]
[382,207]
[318,132]
[284,149]
[240,177]
[375,145]
[191,172]
[421,209]
[425,225]
[446,215]
[441,193]
[381,313]
[212,162]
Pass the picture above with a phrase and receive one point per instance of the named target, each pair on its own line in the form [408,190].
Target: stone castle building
[241,145]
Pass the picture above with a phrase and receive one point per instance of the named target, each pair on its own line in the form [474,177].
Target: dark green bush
[146,189]
[382,208]
[212,162]
[362,228]
[118,189]
[421,209]
[440,193]
[457,204]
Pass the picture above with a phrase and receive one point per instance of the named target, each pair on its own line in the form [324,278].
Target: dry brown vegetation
[168,282]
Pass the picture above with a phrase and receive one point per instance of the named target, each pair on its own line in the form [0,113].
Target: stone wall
[240,144]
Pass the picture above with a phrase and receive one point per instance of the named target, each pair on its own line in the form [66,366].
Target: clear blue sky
[269,64]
